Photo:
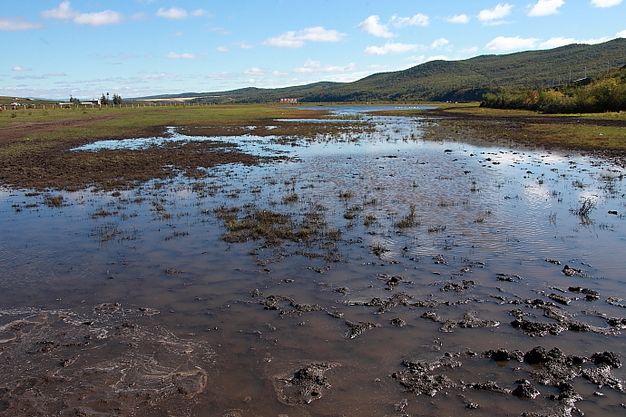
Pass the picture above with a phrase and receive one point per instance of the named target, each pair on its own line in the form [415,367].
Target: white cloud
[390,48]
[176,13]
[297,39]
[621,34]
[173,13]
[494,16]
[315,67]
[13,25]
[254,72]
[418,19]
[221,49]
[422,59]
[439,43]
[19,68]
[199,13]
[244,45]
[562,41]
[556,42]
[546,7]
[593,41]
[373,26]
[107,17]
[45,76]
[64,11]
[504,43]
[459,19]
[605,3]
[184,55]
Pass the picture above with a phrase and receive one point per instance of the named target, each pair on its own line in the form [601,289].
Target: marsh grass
[53,200]
[346,195]
[409,220]
[586,207]
[290,198]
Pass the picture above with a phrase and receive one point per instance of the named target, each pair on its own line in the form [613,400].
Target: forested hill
[450,80]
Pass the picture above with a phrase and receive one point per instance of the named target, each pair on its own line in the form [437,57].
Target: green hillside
[450,80]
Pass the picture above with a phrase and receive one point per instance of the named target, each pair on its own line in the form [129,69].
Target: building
[91,103]
[289,101]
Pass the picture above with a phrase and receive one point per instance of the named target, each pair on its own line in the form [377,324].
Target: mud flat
[361,270]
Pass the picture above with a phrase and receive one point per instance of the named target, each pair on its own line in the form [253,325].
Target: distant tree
[74,100]
[117,99]
[104,100]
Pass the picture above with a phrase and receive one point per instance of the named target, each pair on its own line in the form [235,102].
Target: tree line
[105,99]
[586,96]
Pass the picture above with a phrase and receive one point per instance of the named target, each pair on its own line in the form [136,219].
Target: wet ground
[370,274]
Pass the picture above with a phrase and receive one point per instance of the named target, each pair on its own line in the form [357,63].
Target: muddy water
[141,303]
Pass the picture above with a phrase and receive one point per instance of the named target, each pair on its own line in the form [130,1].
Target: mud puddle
[367,274]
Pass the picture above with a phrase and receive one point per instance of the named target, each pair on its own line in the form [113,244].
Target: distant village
[29,103]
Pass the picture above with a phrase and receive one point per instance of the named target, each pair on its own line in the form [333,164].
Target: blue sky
[54,48]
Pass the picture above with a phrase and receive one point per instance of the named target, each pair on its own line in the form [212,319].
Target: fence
[70,107]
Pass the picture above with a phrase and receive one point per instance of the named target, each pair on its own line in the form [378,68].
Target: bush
[606,94]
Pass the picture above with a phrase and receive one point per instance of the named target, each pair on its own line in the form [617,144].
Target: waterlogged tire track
[111,361]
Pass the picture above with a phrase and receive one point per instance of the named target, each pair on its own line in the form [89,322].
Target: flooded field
[359,274]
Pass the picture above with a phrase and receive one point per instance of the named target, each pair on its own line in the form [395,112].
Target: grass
[53,200]
[588,137]
[586,207]
[469,122]
[409,220]
[41,126]
[34,145]
[474,109]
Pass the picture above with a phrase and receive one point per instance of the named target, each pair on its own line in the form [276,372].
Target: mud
[57,365]
[305,385]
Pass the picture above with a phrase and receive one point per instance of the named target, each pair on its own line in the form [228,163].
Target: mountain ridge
[441,80]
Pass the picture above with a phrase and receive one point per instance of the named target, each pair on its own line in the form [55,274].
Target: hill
[461,80]
[7,100]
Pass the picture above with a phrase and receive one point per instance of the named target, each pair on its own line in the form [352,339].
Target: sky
[54,48]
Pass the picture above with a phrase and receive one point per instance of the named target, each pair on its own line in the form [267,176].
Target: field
[35,144]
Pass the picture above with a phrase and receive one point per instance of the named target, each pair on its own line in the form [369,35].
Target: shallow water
[477,212]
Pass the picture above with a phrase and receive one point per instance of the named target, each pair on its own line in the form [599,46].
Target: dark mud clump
[397,322]
[112,358]
[305,385]
[357,329]
[469,321]
[526,390]
[606,358]
[503,355]
[553,367]
[458,286]
[420,378]
[385,305]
